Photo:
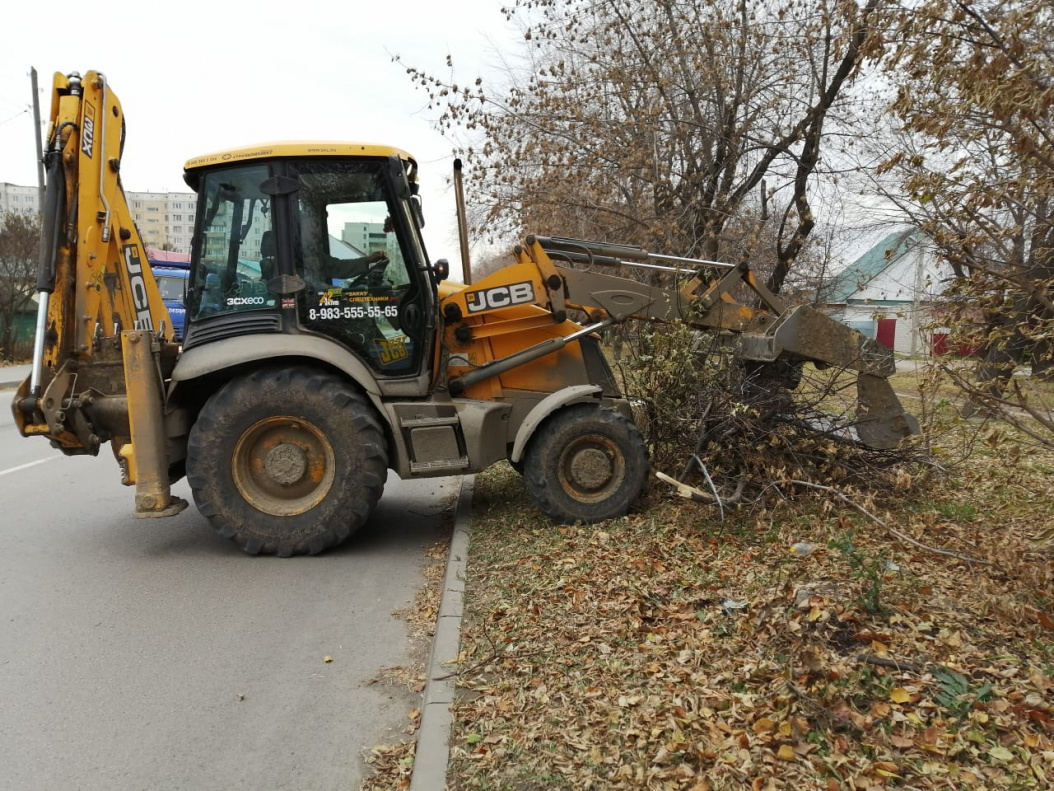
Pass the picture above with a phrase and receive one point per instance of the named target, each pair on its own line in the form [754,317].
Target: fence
[20,347]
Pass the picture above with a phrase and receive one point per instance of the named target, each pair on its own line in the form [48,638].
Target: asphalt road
[151,654]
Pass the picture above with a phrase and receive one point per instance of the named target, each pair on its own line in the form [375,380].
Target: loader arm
[104,340]
[768,333]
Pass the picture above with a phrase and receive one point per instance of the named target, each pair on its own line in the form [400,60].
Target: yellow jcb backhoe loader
[322,347]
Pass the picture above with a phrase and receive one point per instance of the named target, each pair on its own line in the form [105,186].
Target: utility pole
[36,136]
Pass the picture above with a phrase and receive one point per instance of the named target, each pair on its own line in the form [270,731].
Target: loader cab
[312,240]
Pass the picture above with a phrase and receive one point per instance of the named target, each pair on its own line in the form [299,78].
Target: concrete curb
[433,737]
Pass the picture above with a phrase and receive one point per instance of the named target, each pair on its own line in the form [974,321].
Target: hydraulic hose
[50,228]
[51,224]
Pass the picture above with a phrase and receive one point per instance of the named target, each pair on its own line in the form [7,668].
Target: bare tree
[657,123]
[19,241]
[976,169]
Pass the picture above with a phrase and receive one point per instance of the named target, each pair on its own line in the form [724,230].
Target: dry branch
[888,528]
[894,664]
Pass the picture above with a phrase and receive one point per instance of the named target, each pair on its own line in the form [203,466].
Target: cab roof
[295,149]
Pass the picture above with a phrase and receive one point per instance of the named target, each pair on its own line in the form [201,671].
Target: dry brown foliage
[660,651]
[745,432]
[973,167]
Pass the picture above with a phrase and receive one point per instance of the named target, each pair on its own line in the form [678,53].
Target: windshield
[171,288]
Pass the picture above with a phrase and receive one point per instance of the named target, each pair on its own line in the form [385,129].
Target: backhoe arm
[104,337]
[768,333]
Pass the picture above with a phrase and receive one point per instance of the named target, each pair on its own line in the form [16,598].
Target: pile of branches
[742,433]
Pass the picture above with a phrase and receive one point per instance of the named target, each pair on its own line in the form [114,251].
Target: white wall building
[889,291]
[24,200]
[366,236]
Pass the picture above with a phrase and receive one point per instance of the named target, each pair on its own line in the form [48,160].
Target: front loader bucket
[804,333]
[881,420]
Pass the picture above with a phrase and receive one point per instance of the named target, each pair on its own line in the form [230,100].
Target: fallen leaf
[785,753]
[1001,754]
[885,768]
[764,725]
[899,695]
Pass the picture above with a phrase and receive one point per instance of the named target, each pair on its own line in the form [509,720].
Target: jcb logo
[140,300]
[88,132]
[391,350]
[499,297]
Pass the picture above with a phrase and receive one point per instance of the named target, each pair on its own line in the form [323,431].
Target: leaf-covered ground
[665,651]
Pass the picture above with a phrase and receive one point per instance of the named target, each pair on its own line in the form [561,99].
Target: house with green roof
[888,292]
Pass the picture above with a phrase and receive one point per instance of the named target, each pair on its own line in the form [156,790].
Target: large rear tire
[287,461]
[585,464]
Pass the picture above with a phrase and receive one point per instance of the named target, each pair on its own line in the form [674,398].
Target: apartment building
[366,236]
[13,197]
[165,219]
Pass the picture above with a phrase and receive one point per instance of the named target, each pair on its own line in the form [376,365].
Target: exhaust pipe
[462,222]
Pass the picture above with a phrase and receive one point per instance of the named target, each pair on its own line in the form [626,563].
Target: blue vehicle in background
[171,276]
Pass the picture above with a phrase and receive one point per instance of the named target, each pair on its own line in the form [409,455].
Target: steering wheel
[364,276]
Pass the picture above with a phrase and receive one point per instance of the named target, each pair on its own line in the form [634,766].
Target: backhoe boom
[767,333]
[103,332]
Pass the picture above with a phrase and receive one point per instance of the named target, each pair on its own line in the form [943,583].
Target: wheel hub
[286,464]
[283,466]
[590,469]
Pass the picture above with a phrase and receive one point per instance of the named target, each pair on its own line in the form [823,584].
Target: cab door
[356,246]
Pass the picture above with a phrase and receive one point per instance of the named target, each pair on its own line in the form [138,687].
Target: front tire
[287,461]
[586,464]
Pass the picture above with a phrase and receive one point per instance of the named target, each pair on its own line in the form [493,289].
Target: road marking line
[27,465]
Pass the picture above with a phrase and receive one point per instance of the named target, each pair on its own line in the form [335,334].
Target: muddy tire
[287,461]
[585,464]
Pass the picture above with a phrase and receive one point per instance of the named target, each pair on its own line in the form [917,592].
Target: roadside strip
[433,737]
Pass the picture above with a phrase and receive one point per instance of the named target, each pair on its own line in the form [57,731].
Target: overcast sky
[195,77]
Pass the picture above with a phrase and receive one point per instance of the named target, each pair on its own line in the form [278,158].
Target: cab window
[235,253]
